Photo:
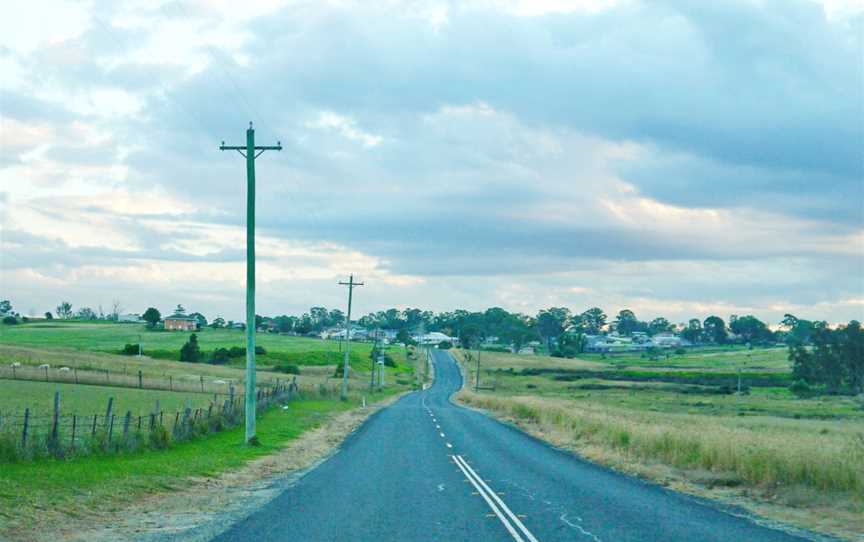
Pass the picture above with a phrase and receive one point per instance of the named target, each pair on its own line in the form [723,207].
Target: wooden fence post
[170,383]
[140,379]
[111,428]
[93,431]
[202,383]
[26,425]
[56,421]
[74,424]
[126,422]
[108,410]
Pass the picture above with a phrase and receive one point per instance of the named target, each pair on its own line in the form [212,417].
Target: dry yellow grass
[800,467]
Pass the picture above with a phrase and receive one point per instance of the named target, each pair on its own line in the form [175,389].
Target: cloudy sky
[677,157]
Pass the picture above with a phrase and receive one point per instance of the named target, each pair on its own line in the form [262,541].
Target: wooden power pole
[250,152]
[345,367]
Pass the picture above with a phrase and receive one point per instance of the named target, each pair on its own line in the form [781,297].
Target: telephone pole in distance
[250,152]
[345,367]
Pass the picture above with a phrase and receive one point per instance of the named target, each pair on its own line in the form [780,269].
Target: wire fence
[125,379]
[31,435]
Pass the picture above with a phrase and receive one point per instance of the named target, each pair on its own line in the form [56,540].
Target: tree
[626,322]
[64,310]
[152,317]
[199,319]
[693,332]
[715,329]
[190,351]
[551,323]
[116,309]
[86,313]
[217,323]
[750,328]
[49,316]
[593,321]
[5,307]
[659,325]
[404,337]
[835,361]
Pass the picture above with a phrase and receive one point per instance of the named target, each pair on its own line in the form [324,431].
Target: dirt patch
[205,507]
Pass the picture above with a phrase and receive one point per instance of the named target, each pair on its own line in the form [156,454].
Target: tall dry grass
[770,452]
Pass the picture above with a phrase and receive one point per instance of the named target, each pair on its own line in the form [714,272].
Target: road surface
[426,469]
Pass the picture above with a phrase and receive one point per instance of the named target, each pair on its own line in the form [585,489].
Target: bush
[288,368]
[221,356]
[130,349]
[159,437]
[800,388]
[236,352]
[680,351]
[445,345]
[259,351]
[190,351]
[10,320]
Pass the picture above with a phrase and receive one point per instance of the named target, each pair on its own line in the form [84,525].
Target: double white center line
[508,518]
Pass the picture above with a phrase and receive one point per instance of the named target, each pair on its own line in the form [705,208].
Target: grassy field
[46,492]
[678,420]
[85,400]
[111,338]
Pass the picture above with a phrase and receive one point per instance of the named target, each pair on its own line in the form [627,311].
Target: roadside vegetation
[682,421]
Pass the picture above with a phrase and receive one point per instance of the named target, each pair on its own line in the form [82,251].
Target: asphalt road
[426,469]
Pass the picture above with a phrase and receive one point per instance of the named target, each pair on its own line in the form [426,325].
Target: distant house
[130,318]
[434,337]
[180,322]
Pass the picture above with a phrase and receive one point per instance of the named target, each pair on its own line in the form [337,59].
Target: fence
[125,379]
[31,435]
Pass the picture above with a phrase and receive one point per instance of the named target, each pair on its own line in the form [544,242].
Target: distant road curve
[426,469]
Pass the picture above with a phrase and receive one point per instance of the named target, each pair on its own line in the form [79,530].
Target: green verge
[43,492]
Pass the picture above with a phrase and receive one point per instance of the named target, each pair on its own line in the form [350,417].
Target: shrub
[259,351]
[220,356]
[680,351]
[800,388]
[445,345]
[10,320]
[288,368]
[236,352]
[159,437]
[130,349]
[190,351]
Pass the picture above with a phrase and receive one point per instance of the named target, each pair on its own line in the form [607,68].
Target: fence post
[140,379]
[111,429]
[56,421]
[74,424]
[93,431]
[26,425]
[231,396]
[126,422]
[202,383]
[108,410]
[170,383]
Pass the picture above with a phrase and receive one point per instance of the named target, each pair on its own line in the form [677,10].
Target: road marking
[449,445]
[442,435]
[507,525]
[497,499]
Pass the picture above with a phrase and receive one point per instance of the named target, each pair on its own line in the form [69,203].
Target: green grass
[110,337]
[16,395]
[35,492]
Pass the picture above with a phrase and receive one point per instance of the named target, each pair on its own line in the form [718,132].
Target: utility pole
[250,152]
[477,380]
[350,284]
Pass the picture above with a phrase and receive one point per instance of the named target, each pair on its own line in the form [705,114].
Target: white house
[130,318]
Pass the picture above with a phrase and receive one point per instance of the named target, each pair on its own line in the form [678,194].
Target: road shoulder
[207,506]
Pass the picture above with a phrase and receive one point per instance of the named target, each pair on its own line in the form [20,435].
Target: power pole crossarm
[250,152]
